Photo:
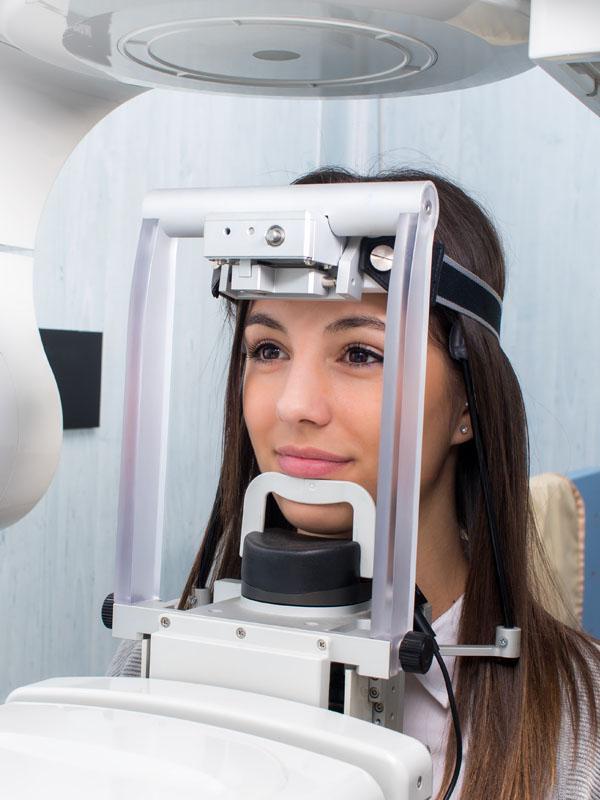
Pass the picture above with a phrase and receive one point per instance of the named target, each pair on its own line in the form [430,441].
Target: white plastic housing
[112,739]
[565,42]
[30,410]
[565,31]
[318,48]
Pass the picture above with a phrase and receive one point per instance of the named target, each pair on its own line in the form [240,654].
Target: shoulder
[127,660]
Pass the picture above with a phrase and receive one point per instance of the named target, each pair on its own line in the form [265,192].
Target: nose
[305,395]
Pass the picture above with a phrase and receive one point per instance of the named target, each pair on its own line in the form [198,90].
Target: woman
[303,398]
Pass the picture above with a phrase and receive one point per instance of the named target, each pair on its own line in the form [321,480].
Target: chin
[327,520]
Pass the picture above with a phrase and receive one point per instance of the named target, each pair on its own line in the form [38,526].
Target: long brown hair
[511,712]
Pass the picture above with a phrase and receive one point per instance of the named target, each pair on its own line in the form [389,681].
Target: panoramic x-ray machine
[235,695]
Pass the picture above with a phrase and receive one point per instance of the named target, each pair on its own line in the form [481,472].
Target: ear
[463,431]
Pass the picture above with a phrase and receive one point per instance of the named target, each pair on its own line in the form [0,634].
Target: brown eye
[362,355]
[265,351]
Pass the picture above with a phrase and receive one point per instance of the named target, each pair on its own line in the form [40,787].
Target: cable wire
[458,350]
[455,720]
[423,624]
[487,496]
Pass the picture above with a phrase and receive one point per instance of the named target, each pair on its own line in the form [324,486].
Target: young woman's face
[312,399]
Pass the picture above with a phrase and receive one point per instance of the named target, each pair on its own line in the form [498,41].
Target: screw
[275,236]
[240,633]
[322,644]
[165,622]
[377,722]
[379,707]
[327,283]
[309,262]
[373,692]
[503,642]
[428,206]
[381,257]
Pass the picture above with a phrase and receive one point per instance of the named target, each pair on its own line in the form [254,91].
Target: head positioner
[452,286]
[343,272]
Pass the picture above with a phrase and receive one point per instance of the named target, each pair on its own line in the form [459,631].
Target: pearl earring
[464,429]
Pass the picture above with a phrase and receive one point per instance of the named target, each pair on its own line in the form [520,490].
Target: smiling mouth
[309,463]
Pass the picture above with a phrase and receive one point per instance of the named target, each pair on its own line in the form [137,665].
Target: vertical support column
[146,417]
[399,476]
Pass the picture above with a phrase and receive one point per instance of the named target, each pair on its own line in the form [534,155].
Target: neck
[441,562]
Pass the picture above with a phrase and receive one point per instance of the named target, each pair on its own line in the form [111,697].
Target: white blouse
[426,707]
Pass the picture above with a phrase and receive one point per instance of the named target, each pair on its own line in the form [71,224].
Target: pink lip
[308,462]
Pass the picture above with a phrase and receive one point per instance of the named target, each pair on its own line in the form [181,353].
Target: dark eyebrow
[266,320]
[347,323]
[337,326]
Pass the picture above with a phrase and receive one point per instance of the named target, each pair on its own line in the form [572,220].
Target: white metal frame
[234,642]
[406,210]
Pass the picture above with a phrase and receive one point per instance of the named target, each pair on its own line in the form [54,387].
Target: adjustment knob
[107,610]
[416,652]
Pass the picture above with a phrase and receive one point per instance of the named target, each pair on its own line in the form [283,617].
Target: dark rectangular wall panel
[76,361]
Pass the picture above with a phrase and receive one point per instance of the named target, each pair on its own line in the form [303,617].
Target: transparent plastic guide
[201,347]
[145,418]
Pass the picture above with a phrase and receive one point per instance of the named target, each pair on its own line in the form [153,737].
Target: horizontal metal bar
[353,209]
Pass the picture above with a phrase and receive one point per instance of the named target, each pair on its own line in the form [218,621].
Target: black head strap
[452,285]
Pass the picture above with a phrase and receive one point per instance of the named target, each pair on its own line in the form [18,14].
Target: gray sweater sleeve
[127,660]
[578,763]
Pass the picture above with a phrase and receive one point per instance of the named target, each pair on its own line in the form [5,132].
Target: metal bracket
[385,697]
[508,645]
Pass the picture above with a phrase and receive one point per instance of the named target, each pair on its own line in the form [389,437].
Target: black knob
[107,610]
[416,652]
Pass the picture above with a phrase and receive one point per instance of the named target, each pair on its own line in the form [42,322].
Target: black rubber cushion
[281,566]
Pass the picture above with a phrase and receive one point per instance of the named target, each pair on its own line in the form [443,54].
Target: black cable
[458,351]
[422,623]
[487,496]
[455,720]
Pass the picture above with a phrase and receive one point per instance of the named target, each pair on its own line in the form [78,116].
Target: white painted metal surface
[122,733]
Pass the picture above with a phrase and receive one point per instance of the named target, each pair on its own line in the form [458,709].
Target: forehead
[317,313]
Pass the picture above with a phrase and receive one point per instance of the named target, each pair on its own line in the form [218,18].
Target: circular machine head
[291,569]
[286,47]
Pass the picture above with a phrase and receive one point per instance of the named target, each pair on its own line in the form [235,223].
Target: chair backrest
[588,484]
[560,517]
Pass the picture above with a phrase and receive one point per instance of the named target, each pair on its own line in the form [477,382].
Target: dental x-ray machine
[235,694]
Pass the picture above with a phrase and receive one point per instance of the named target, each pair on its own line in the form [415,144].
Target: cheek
[258,406]
[438,417]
